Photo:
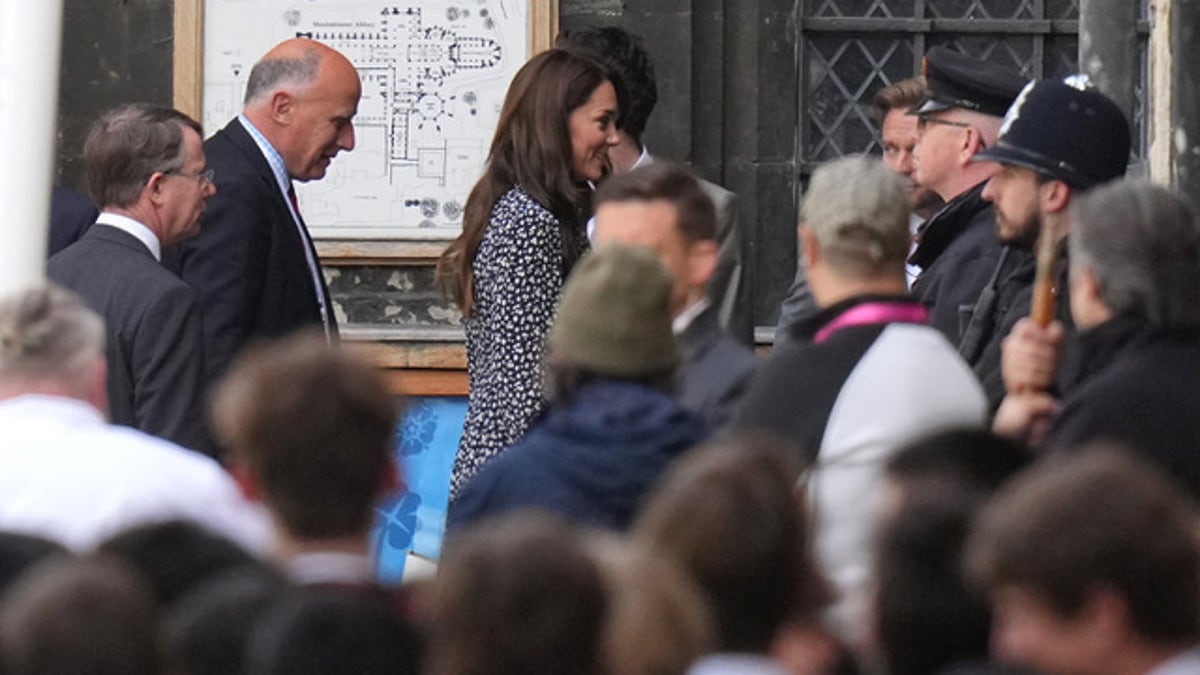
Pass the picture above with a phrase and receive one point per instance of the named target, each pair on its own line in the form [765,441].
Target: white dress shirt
[133,227]
[71,477]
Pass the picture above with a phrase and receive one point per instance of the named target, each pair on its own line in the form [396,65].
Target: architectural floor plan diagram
[434,75]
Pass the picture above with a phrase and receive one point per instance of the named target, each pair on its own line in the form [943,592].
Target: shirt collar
[329,567]
[642,159]
[680,323]
[274,159]
[133,227]
[1180,664]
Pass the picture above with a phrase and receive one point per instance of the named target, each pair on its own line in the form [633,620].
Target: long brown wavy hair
[532,150]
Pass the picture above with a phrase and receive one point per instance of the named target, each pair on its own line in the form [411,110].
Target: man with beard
[1057,141]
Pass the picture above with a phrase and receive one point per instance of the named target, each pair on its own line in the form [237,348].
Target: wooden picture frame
[188,96]
[417,362]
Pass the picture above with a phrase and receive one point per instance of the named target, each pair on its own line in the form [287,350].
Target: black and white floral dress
[519,271]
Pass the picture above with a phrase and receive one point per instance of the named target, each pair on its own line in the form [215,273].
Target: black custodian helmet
[1075,135]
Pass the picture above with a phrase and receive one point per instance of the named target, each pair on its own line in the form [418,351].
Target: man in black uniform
[960,117]
[1057,142]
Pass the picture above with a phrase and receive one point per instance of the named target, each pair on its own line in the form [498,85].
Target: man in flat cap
[960,117]
[1057,141]
[874,375]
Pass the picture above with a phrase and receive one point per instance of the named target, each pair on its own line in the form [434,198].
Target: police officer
[1057,140]
[959,117]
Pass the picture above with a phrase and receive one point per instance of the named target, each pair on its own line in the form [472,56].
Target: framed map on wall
[434,74]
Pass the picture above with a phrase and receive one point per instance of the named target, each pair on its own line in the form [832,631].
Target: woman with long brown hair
[523,230]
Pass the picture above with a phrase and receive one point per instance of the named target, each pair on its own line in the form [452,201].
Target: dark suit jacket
[248,262]
[156,379]
[715,372]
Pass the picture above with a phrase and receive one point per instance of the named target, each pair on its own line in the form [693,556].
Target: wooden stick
[1042,309]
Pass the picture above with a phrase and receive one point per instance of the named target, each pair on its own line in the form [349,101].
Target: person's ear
[97,385]
[246,481]
[972,144]
[154,186]
[702,259]
[1106,615]
[810,251]
[283,106]
[1088,284]
[1055,195]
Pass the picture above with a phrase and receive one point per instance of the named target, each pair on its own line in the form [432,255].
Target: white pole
[30,37]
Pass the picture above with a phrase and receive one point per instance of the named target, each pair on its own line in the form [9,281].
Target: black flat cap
[957,80]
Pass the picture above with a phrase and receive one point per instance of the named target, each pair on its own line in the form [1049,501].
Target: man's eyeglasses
[205,177]
[925,120]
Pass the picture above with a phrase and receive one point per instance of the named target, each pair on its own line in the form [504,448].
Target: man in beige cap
[874,375]
[612,425]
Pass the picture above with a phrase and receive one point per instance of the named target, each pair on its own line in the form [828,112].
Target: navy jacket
[591,460]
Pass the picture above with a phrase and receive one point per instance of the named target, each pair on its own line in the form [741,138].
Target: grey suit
[729,287]
[715,371]
[153,329]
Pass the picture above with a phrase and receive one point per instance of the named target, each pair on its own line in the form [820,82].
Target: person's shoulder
[724,354]
[720,196]
[231,149]
[157,456]
[518,217]
[517,203]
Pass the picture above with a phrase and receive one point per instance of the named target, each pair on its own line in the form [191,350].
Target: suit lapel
[300,239]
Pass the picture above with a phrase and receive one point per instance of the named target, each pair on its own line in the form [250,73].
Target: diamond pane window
[843,70]
[1062,9]
[844,73]
[981,9]
[1015,52]
[863,8]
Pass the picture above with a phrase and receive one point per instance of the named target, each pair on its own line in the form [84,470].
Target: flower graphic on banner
[420,425]
[398,521]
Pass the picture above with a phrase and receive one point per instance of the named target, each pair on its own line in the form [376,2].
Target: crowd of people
[973,448]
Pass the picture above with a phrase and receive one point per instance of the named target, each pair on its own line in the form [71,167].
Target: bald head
[291,66]
[303,95]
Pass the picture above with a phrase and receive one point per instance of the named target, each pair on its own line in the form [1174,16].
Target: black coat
[957,250]
[248,262]
[996,314]
[1137,386]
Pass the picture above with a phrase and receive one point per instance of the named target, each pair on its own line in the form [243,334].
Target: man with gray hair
[69,476]
[146,169]
[875,375]
[254,263]
[1135,298]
